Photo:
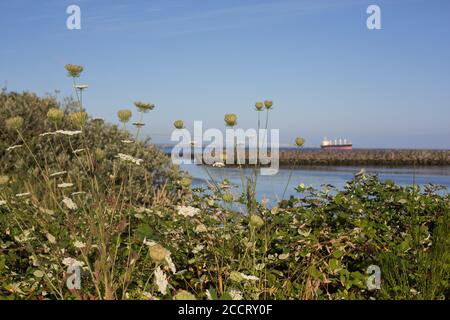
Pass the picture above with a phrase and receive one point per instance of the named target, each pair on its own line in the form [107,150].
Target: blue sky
[199,59]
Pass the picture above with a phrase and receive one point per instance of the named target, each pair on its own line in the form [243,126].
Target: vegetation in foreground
[78,193]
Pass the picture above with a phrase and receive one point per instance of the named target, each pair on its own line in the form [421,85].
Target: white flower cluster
[71,262]
[70,204]
[63,132]
[188,211]
[14,147]
[128,158]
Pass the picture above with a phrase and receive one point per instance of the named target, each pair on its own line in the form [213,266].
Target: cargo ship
[337,144]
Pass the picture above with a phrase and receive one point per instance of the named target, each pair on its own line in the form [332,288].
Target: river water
[273,186]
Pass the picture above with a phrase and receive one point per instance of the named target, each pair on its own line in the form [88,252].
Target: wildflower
[268,104]
[283,256]
[69,133]
[51,133]
[2,203]
[158,253]
[144,107]
[200,228]
[14,123]
[78,118]
[69,204]
[17,146]
[170,263]
[256,221]
[124,115]
[128,158]
[299,142]
[184,295]
[77,193]
[230,119]
[56,174]
[259,106]
[79,245]
[25,236]
[55,114]
[179,124]
[81,86]
[235,294]
[71,262]
[249,278]
[198,248]
[65,185]
[21,195]
[51,238]
[218,164]
[188,211]
[161,280]
[74,71]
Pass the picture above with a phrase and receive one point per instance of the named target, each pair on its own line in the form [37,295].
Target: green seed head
[186,182]
[74,71]
[124,115]
[55,114]
[268,104]
[236,276]
[256,221]
[14,123]
[179,124]
[158,253]
[259,106]
[99,154]
[299,141]
[143,106]
[78,119]
[184,295]
[230,119]
[228,197]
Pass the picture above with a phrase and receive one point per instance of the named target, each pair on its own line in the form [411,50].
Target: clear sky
[327,74]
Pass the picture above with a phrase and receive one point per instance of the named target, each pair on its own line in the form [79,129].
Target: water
[273,186]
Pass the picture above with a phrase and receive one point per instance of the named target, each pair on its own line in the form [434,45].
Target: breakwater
[372,157]
[365,157]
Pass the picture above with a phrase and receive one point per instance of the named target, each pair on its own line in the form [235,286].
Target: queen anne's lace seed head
[230,119]
[55,114]
[14,123]
[124,115]
[73,70]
